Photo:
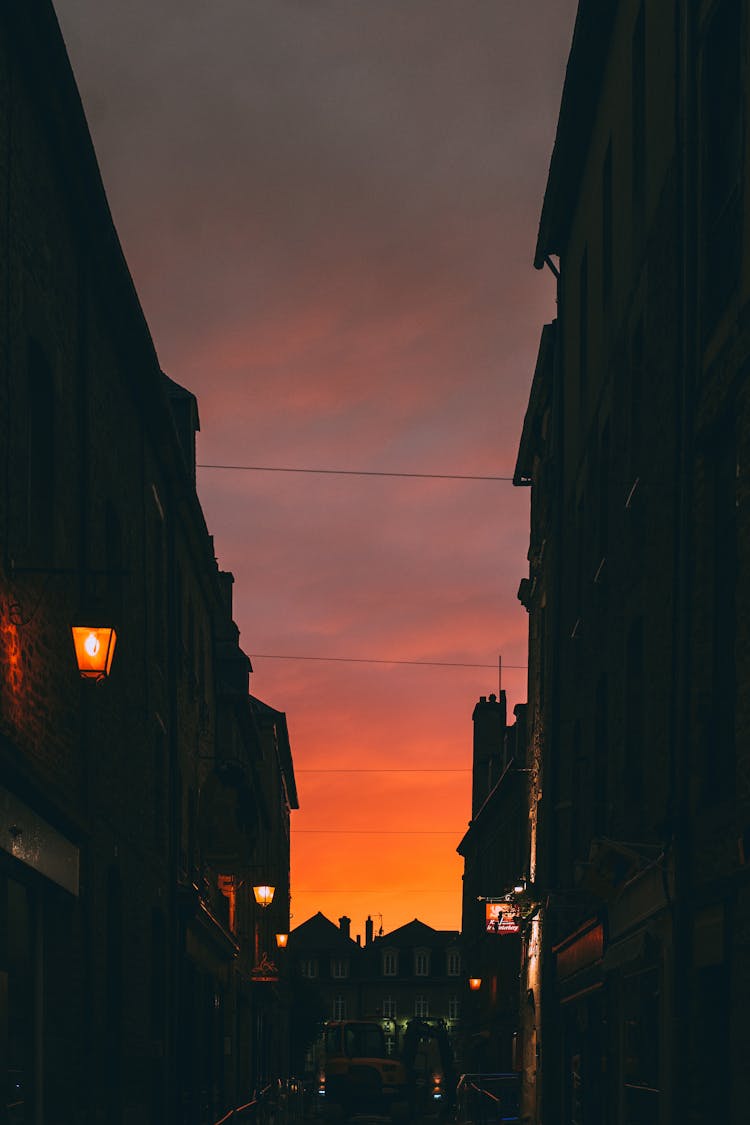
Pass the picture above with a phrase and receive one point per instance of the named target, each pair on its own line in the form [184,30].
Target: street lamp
[264,895]
[475,983]
[281,940]
[94,647]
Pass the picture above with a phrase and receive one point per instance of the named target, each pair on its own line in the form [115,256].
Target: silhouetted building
[131,811]
[495,851]
[411,971]
[635,446]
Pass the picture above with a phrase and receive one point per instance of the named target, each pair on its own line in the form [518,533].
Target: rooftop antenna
[380,931]
[499,676]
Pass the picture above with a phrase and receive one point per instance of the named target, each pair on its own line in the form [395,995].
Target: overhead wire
[378,660]
[372,660]
[352,472]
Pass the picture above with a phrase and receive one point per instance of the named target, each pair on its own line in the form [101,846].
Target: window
[340,967]
[389,1008]
[720,766]
[454,1008]
[390,963]
[158,590]
[634,727]
[607,225]
[421,963]
[601,745]
[721,158]
[40,499]
[454,963]
[421,1006]
[309,967]
[638,114]
[114,559]
[339,1007]
[635,403]
[583,327]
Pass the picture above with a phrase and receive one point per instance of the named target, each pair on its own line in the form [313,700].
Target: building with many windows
[635,446]
[414,971]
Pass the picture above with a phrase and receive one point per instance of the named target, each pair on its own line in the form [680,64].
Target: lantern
[95,647]
[475,983]
[264,895]
[281,940]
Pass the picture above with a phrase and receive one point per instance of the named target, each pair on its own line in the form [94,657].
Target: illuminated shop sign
[501,918]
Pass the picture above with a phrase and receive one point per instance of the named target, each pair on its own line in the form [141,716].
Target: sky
[329,209]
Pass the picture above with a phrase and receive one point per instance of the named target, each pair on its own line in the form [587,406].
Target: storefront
[38,886]
[583,1025]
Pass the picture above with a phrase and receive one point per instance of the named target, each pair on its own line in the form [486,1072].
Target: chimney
[358,939]
[368,930]
[226,581]
[489,737]
[344,924]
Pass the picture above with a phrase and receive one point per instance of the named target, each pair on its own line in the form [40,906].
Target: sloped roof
[319,932]
[286,764]
[417,933]
[580,97]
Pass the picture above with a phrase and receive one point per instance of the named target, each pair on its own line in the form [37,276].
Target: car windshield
[365,1040]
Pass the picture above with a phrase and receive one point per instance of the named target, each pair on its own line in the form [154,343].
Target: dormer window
[340,967]
[421,962]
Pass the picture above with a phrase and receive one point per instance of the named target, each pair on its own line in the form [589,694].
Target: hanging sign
[501,918]
[265,971]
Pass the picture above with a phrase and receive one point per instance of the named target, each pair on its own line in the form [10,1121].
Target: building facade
[495,853]
[135,813]
[413,971]
[635,445]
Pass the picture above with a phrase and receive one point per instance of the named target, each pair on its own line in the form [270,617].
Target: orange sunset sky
[329,208]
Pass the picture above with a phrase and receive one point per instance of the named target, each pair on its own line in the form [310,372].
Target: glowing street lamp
[281,940]
[264,895]
[94,647]
[475,983]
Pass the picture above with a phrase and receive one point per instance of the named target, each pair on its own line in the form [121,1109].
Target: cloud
[329,210]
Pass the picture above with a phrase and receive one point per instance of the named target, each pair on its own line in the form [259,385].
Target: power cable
[420,769]
[377,832]
[375,660]
[379,891]
[351,472]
